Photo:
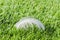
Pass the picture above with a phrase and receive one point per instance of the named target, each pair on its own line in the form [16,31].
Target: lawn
[47,11]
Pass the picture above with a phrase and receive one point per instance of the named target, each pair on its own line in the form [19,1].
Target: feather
[23,23]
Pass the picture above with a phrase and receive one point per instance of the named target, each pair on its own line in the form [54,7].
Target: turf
[47,11]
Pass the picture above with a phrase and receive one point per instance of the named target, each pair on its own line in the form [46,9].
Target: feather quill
[25,21]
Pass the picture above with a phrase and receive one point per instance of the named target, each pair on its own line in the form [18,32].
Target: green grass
[48,11]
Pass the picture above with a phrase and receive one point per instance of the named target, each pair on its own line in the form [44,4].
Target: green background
[47,11]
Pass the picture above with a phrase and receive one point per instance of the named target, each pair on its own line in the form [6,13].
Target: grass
[48,11]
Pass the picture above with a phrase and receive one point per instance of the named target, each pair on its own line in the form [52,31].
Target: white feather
[23,23]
